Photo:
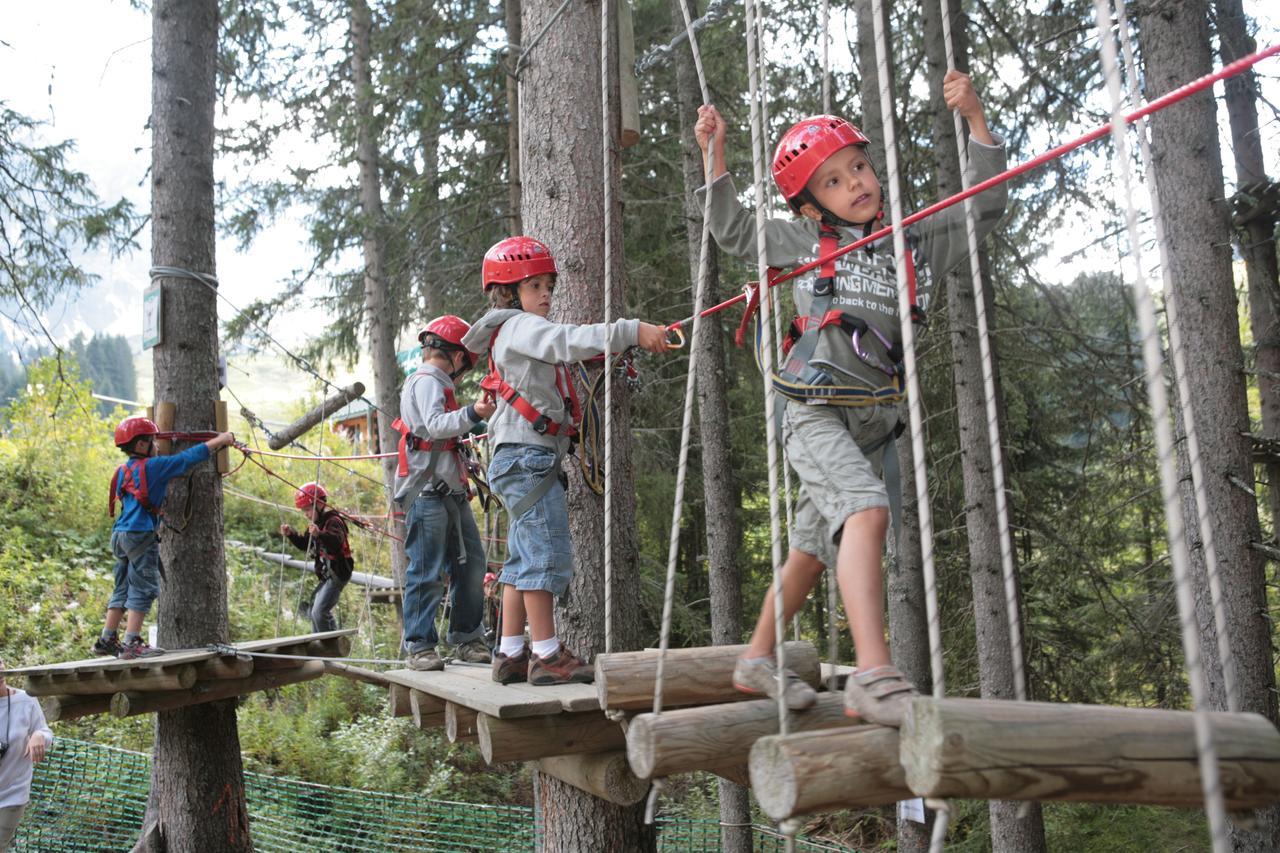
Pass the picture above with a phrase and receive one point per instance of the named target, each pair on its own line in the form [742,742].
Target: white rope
[1184,390]
[1206,751]
[826,56]
[989,392]
[607,155]
[913,377]
[767,355]
[833,640]
[686,430]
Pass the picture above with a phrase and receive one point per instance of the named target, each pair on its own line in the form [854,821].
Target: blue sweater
[160,470]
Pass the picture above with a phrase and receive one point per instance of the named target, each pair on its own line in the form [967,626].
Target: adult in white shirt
[24,738]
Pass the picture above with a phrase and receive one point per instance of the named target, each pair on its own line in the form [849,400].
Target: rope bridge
[86,796]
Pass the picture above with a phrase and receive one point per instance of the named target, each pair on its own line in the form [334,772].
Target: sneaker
[510,669]
[427,660]
[563,667]
[110,647]
[138,648]
[760,678]
[473,651]
[881,695]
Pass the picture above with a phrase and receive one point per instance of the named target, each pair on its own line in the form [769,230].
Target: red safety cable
[469,439]
[1165,100]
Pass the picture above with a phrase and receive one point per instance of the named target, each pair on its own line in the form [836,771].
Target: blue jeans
[439,529]
[326,598]
[137,579]
[539,546]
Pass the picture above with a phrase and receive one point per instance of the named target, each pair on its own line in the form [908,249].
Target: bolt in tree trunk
[384,321]
[197,783]
[719,489]
[1175,45]
[563,194]
[512,10]
[1014,826]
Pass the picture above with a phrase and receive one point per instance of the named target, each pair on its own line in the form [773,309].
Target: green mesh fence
[88,797]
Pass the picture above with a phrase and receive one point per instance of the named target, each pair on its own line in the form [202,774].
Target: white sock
[511,646]
[546,648]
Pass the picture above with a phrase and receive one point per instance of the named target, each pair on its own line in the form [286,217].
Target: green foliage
[106,362]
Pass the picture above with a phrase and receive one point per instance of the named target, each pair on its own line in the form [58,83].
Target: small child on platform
[431,484]
[531,431]
[842,375]
[140,485]
[325,541]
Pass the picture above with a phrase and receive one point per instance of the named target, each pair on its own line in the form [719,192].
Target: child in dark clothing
[140,485]
[325,540]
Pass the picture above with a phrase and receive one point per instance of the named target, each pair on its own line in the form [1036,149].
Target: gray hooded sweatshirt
[422,407]
[866,285]
[526,352]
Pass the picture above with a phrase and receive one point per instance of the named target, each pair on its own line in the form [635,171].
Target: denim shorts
[137,579]
[538,542]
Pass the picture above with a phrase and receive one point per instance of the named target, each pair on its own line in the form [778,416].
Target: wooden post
[716,736]
[524,738]
[827,770]
[605,775]
[987,749]
[64,708]
[702,676]
[313,417]
[223,457]
[399,699]
[460,723]
[132,704]
[427,710]
[224,667]
[164,414]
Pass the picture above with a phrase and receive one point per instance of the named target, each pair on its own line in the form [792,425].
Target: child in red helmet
[842,375]
[326,542]
[530,432]
[431,485]
[140,485]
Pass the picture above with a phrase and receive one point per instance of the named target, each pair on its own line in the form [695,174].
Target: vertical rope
[1215,807]
[913,378]
[682,468]
[607,155]
[989,393]
[833,640]
[767,355]
[826,56]
[1184,389]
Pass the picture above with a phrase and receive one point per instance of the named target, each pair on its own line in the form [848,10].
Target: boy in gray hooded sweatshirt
[535,421]
[841,380]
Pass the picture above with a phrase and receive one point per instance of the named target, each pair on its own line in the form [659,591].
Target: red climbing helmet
[806,146]
[449,330]
[134,427]
[514,259]
[308,494]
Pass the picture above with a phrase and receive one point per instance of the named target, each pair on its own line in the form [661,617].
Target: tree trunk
[719,489]
[1255,234]
[514,34]
[384,320]
[1014,826]
[563,175]
[1175,43]
[197,785]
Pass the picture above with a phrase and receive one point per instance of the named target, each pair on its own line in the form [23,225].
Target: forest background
[1100,621]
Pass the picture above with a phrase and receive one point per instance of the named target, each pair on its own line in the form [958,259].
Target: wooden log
[64,708]
[313,417]
[220,424]
[225,667]
[428,710]
[605,775]
[827,770]
[128,704]
[163,414]
[739,773]
[988,749]
[701,676]
[106,681]
[399,699]
[460,723]
[714,736]
[525,738]
[356,673]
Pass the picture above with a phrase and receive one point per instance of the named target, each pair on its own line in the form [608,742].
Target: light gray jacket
[866,283]
[526,352]
[422,407]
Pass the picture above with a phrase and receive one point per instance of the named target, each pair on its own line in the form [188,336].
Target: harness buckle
[541,424]
[824,286]
[442,489]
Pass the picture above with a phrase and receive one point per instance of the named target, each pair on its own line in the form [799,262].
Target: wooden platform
[471,686]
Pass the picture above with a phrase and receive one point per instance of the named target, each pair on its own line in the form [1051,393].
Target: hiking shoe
[138,648]
[109,647]
[427,660]
[563,667]
[881,695]
[759,677]
[510,669]
[473,651]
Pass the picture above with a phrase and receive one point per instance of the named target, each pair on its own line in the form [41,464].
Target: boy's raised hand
[652,338]
[484,408]
[286,530]
[958,92]
[221,440]
[710,131]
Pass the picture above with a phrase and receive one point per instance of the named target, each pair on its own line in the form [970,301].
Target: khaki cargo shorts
[837,479]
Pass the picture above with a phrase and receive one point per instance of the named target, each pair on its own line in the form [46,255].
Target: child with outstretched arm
[530,432]
[842,375]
